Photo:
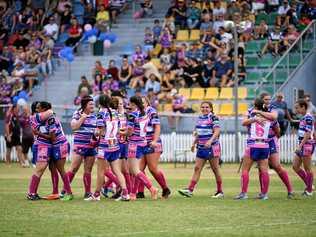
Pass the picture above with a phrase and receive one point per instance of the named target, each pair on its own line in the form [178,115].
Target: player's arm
[76,123]
[273,115]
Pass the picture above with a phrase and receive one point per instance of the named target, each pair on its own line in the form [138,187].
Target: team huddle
[123,138]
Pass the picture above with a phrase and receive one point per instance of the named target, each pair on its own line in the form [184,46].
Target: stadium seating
[211,93]
[226,109]
[182,35]
[195,35]
[226,93]
[186,92]
[197,94]
[242,92]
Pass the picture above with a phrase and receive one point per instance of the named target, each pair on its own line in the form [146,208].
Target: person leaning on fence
[207,131]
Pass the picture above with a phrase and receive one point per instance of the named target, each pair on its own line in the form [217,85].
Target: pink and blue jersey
[123,126]
[45,127]
[306,125]
[83,135]
[204,127]
[138,123]
[153,120]
[109,141]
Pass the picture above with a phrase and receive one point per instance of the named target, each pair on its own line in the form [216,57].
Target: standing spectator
[311,108]
[157,29]
[147,8]
[12,134]
[116,7]
[193,15]
[27,133]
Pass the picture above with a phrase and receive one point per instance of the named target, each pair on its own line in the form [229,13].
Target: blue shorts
[83,151]
[112,155]
[259,153]
[209,152]
[41,153]
[150,150]
[60,151]
[273,146]
[135,151]
[123,150]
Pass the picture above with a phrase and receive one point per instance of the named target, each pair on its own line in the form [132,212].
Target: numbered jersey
[306,125]
[138,123]
[109,121]
[204,128]
[123,126]
[83,135]
[153,120]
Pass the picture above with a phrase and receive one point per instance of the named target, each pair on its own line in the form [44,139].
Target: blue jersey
[306,125]
[138,123]
[204,127]
[153,120]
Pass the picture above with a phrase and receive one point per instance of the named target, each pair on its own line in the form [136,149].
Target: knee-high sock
[144,179]
[70,175]
[55,180]
[111,176]
[309,179]
[285,179]
[87,182]
[244,181]
[161,180]
[128,182]
[302,174]
[67,187]
[35,180]
[141,187]
[265,179]
[192,185]
[260,180]
[219,185]
[135,185]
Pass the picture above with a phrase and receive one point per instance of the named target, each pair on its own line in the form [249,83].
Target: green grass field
[178,216]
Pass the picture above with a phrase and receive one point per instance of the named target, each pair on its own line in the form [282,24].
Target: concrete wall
[304,78]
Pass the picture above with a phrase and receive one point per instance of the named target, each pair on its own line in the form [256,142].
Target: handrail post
[274,83]
[288,64]
[301,49]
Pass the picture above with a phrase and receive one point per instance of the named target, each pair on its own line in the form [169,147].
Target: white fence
[177,147]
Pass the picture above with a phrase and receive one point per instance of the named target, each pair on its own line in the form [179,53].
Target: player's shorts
[258,151]
[60,151]
[274,145]
[150,150]
[135,151]
[41,153]
[123,150]
[85,151]
[207,153]
[27,143]
[307,150]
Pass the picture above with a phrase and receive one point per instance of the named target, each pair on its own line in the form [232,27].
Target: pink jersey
[153,120]
[45,127]
[306,125]
[109,141]
[123,126]
[83,135]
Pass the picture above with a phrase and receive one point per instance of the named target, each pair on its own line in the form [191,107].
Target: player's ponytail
[105,102]
[45,105]
[139,104]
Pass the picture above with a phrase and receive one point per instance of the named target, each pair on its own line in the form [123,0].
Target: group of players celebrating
[124,138]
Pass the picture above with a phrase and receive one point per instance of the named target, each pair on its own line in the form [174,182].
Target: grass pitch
[178,216]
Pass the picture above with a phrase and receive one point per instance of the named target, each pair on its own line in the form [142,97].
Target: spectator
[166,38]
[125,73]
[206,23]
[282,12]
[165,58]
[272,6]
[74,33]
[178,106]
[166,84]
[275,38]
[102,19]
[137,80]
[157,29]
[147,8]
[89,16]
[5,89]
[97,86]
[116,7]
[62,4]
[222,72]
[193,15]
[65,19]
[152,84]
[258,5]
[219,22]
[113,70]
[311,108]
[290,36]
[207,38]
[194,51]
[110,85]
[98,69]
[261,31]
[233,7]
[178,12]
[27,133]
[193,73]
[138,55]
[218,9]
[51,29]
[149,37]
[83,92]
[207,71]
[12,134]
[169,22]
[152,97]
[283,113]
[85,83]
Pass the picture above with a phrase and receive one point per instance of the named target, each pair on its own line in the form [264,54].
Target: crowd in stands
[204,58]
[30,31]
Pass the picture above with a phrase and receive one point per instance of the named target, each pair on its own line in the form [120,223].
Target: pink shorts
[307,150]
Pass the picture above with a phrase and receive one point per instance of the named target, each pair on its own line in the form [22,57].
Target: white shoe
[124,198]
[92,198]
[218,195]
[307,194]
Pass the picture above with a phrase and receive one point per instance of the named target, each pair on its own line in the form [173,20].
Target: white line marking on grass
[222,227]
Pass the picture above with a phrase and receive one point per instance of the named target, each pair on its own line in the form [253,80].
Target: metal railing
[289,60]
[176,148]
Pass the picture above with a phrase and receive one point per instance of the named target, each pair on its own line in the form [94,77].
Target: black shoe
[166,193]
[87,195]
[140,195]
[117,194]
[33,197]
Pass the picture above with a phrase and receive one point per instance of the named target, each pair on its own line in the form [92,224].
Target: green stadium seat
[295,60]
[252,62]
[261,17]
[252,47]
[252,77]
[251,94]
[272,18]
[307,46]
[266,62]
